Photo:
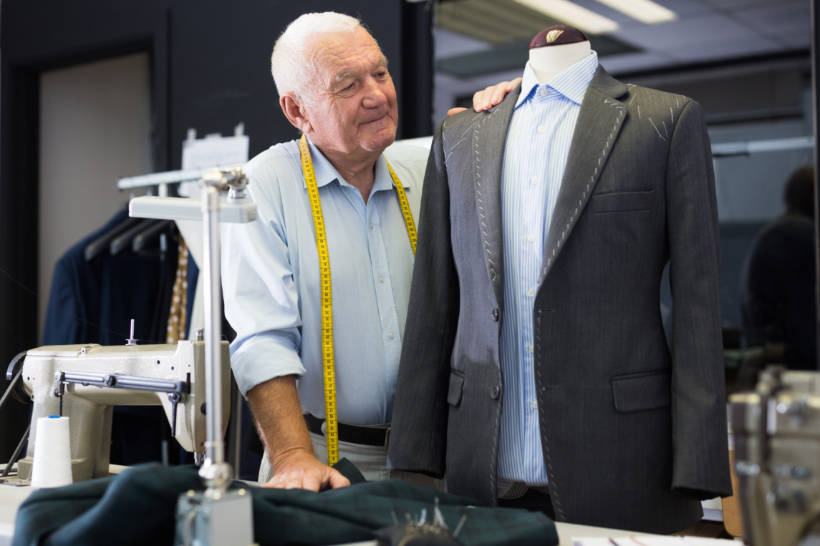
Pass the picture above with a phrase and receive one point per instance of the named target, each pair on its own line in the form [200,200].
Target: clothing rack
[163,179]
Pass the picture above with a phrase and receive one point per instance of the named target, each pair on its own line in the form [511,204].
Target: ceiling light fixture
[645,11]
[573,15]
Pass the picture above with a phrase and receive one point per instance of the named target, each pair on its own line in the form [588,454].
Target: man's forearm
[275,405]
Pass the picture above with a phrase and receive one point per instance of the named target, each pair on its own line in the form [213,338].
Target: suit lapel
[596,131]
[488,138]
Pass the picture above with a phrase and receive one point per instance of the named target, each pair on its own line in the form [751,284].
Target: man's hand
[488,97]
[275,406]
[300,469]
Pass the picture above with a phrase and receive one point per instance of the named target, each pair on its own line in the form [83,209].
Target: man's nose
[375,93]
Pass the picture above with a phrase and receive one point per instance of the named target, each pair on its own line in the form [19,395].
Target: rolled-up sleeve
[261,299]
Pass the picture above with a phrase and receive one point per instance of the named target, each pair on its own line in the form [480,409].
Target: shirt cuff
[261,358]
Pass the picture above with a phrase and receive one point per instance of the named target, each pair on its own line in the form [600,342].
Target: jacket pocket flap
[454,392]
[642,391]
[621,201]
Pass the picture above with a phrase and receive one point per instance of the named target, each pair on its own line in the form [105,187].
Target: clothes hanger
[101,243]
[125,238]
[149,234]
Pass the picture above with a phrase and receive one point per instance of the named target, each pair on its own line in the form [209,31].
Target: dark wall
[210,69]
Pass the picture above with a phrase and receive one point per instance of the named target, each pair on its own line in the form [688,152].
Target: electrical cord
[14,378]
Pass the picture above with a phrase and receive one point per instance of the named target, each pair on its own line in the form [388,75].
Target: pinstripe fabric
[535,157]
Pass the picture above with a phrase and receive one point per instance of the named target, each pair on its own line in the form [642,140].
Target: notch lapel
[489,136]
[596,131]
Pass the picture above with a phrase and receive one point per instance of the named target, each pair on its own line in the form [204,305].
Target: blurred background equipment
[777,458]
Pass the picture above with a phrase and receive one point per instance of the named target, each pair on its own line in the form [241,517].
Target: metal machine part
[218,519]
[213,516]
[777,458]
[84,382]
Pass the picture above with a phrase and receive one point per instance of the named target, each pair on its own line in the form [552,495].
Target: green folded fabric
[138,507]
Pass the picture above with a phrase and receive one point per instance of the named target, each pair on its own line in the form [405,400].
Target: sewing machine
[777,458]
[84,382]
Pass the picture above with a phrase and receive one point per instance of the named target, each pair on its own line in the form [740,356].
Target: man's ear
[295,112]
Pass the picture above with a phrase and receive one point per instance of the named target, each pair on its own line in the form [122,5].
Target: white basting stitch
[480,197]
[656,129]
[462,137]
[558,244]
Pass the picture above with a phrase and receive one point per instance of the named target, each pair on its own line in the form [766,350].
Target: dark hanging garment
[136,286]
[73,313]
[93,297]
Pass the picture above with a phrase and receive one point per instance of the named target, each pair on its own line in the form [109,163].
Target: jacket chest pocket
[629,201]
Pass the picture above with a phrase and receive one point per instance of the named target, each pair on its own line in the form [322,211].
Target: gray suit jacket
[633,429]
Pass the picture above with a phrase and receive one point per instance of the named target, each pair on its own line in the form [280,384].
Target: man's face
[351,103]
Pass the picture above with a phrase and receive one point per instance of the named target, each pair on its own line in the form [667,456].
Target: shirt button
[530,348]
[541,128]
[531,238]
[381,278]
[534,404]
[531,292]
[534,180]
[389,335]
[372,227]
[494,315]
[496,392]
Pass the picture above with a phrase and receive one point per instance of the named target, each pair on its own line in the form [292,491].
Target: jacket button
[496,392]
[494,314]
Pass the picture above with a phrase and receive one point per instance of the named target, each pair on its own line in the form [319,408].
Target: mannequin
[555,49]
[632,428]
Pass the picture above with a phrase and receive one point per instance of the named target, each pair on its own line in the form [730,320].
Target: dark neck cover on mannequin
[555,49]
[557,35]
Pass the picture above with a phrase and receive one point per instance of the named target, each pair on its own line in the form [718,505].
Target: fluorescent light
[573,15]
[645,11]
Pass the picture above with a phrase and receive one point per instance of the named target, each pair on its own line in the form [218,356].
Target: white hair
[290,61]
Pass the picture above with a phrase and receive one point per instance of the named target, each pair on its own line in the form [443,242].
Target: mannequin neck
[547,61]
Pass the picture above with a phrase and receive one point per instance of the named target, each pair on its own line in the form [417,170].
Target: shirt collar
[572,83]
[326,173]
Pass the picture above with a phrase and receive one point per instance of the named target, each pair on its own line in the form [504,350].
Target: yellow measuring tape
[328,364]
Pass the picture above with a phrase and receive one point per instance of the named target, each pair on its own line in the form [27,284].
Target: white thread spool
[52,453]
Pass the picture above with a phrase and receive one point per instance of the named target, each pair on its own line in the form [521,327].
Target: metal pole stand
[217,516]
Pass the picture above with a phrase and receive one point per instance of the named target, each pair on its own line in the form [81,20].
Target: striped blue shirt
[535,157]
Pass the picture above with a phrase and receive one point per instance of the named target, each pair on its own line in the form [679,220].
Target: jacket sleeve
[419,424]
[700,465]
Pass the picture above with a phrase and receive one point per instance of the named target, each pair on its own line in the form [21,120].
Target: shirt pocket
[630,201]
[641,391]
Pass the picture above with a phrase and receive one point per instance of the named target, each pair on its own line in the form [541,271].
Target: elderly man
[335,218]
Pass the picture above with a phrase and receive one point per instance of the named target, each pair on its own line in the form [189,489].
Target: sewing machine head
[777,458]
[84,382]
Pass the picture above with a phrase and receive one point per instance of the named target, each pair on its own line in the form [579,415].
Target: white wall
[95,123]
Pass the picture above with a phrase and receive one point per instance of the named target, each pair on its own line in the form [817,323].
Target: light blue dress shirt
[535,157]
[270,280]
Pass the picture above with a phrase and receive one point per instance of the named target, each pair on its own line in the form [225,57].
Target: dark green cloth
[138,507]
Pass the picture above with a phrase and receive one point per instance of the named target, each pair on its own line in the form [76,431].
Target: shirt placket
[384,290]
[534,199]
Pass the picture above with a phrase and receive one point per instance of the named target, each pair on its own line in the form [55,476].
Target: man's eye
[348,87]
